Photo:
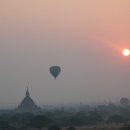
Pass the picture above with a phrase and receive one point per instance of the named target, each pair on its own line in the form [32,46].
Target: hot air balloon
[55,71]
[124,101]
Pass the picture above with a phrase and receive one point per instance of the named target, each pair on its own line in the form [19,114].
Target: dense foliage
[68,117]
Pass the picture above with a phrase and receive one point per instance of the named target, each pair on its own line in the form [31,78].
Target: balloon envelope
[124,101]
[55,71]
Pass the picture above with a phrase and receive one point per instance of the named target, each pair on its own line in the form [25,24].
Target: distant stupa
[27,104]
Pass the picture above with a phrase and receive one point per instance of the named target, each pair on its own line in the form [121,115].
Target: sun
[126,52]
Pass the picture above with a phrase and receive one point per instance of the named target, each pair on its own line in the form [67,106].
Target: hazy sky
[84,37]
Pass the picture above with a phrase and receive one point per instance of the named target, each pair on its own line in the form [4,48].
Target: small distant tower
[27,104]
[27,92]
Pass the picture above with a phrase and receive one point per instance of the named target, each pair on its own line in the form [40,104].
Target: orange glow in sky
[85,38]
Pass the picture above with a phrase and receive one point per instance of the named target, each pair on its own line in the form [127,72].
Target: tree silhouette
[40,121]
[4,125]
[54,127]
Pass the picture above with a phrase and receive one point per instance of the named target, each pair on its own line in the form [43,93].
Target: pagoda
[27,104]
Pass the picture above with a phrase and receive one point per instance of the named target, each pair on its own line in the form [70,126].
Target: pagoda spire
[27,92]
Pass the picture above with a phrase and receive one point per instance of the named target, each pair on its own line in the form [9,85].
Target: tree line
[54,120]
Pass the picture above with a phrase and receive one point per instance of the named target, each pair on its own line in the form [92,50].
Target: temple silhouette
[27,104]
